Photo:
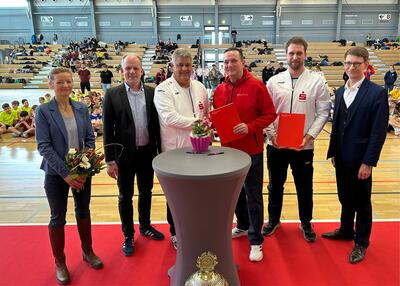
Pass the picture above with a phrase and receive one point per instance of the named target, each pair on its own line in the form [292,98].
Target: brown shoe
[62,273]
[337,235]
[85,233]
[92,259]
[57,240]
[357,254]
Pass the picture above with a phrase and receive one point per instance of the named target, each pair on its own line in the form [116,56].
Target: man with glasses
[296,90]
[359,127]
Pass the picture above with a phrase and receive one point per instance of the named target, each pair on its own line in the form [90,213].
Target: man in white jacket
[296,90]
[179,101]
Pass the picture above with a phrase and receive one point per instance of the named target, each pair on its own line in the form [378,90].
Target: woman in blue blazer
[62,124]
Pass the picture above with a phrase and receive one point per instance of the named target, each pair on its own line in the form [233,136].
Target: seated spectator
[394,94]
[15,107]
[47,96]
[25,105]
[97,121]
[8,118]
[394,117]
[89,103]
[267,72]
[25,125]
[42,100]
[160,76]
[33,111]
[345,77]
[369,72]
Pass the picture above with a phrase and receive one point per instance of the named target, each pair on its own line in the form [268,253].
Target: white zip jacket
[310,96]
[177,109]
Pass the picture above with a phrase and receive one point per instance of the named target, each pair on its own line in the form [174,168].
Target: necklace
[62,108]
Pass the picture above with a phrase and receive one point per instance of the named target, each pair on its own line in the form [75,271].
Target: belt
[144,147]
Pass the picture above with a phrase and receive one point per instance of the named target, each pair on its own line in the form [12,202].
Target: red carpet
[288,260]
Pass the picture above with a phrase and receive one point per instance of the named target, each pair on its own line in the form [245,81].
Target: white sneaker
[237,232]
[256,253]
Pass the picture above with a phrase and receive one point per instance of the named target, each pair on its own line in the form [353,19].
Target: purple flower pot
[200,144]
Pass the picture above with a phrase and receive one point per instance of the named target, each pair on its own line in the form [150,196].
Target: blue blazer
[366,127]
[52,137]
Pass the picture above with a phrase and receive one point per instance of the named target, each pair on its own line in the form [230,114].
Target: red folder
[224,119]
[290,130]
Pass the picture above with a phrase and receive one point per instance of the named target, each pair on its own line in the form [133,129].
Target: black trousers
[355,198]
[85,85]
[57,196]
[140,166]
[250,206]
[301,163]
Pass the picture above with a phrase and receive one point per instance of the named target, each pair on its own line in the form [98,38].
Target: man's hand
[306,140]
[274,142]
[112,170]
[364,172]
[241,128]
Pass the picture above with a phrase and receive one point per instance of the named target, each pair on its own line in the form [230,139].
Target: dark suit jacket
[366,127]
[119,126]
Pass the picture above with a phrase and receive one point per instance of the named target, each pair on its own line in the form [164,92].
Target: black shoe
[337,235]
[128,247]
[357,254]
[152,233]
[308,231]
[270,228]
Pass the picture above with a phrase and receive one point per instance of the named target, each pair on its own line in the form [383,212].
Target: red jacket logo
[302,96]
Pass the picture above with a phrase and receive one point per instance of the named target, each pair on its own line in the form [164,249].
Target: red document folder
[290,130]
[224,119]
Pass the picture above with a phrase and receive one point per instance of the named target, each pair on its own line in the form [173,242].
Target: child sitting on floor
[25,125]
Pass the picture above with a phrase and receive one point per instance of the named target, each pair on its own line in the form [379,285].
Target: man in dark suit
[358,132]
[130,119]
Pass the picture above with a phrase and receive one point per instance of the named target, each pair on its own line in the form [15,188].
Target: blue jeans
[105,86]
[250,206]
[57,195]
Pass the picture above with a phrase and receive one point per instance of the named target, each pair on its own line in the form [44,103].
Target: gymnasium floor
[22,198]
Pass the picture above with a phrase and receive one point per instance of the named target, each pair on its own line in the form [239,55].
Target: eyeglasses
[355,64]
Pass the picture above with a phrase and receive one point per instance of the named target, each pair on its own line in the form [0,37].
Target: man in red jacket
[256,111]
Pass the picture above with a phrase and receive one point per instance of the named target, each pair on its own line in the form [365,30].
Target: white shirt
[177,109]
[350,92]
[307,95]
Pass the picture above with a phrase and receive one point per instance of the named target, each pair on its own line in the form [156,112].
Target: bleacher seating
[333,50]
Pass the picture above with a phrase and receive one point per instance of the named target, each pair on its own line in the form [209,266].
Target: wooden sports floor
[22,198]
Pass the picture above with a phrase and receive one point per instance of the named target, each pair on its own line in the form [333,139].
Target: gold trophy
[206,276]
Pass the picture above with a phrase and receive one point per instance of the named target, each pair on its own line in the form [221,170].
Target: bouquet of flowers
[201,128]
[85,162]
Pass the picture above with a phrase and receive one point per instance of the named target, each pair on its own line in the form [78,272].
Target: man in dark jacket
[131,120]
[359,127]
